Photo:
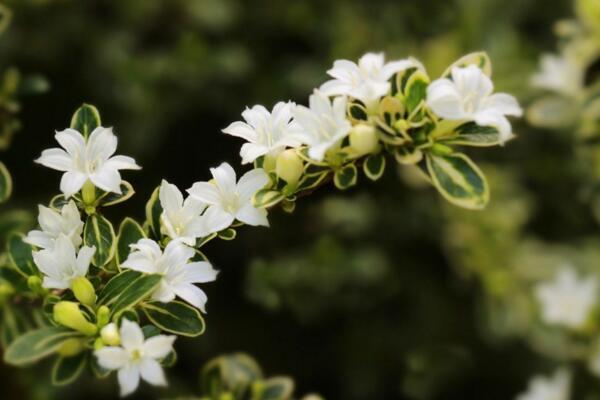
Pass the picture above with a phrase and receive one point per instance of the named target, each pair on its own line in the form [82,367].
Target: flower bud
[35,284]
[83,290]
[289,166]
[441,149]
[102,316]
[110,335]
[67,313]
[71,347]
[363,139]
[88,193]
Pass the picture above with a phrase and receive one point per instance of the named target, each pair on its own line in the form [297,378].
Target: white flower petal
[72,182]
[107,179]
[242,130]
[84,258]
[112,357]
[56,159]
[225,178]
[250,183]
[251,152]
[132,337]
[72,141]
[101,144]
[205,192]
[191,294]
[171,198]
[215,219]
[129,379]
[152,372]
[121,162]
[200,272]
[159,346]
[250,215]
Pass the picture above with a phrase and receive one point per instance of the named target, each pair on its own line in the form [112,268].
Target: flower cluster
[373,108]
[115,299]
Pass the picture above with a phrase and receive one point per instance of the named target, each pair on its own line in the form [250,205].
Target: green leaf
[116,286]
[20,255]
[471,134]
[276,388]
[175,317]
[479,59]
[99,232]
[5,183]
[345,177]
[129,233]
[109,198]
[459,180]
[309,182]
[227,234]
[374,166]
[137,291]
[11,325]
[266,198]
[314,169]
[153,212]
[67,369]
[86,119]
[36,344]
[416,90]
[231,372]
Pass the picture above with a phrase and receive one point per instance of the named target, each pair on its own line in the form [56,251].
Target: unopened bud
[363,139]
[83,290]
[88,193]
[441,149]
[35,284]
[67,313]
[110,335]
[102,316]
[71,347]
[289,166]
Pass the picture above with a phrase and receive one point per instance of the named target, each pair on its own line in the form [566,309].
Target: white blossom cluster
[211,207]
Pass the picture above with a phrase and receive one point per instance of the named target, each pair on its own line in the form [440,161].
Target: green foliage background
[368,294]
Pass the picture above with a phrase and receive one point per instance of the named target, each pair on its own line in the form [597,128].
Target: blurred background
[381,292]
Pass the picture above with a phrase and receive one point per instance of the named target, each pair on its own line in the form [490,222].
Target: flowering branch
[116,301]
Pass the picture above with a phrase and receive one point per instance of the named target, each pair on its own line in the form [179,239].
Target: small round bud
[110,335]
[35,284]
[67,313]
[71,347]
[289,166]
[83,290]
[102,316]
[363,139]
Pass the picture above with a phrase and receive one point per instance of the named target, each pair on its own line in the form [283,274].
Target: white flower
[180,218]
[136,357]
[559,73]
[368,81]
[228,200]
[60,265]
[266,132]
[567,300]
[556,387]
[468,96]
[67,222]
[82,160]
[178,273]
[323,125]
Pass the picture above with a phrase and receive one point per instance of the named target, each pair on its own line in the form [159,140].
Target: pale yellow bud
[102,316]
[289,166]
[363,139]
[67,313]
[83,290]
[110,335]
